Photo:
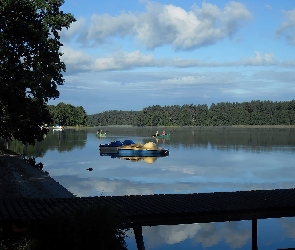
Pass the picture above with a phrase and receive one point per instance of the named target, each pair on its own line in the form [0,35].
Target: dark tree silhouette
[30,65]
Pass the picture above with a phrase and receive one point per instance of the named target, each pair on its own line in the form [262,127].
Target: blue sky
[128,55]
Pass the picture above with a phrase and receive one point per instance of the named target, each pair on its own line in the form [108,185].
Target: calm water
[200,160]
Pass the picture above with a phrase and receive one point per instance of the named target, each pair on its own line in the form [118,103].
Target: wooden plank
[18,209]
[25,207]
[35,210]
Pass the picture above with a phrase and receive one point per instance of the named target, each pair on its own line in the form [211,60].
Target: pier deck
[151,210]
[169,209]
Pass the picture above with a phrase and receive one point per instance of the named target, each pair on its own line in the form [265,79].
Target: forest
[220,114]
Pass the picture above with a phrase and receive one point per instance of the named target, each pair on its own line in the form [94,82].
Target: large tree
[30,65]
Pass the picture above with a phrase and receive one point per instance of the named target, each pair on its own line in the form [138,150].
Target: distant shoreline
[232,126]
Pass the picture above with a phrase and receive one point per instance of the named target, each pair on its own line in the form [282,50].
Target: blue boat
[112,147]
[148,149]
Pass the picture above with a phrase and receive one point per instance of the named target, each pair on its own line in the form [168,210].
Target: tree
[68,115]
[30,65]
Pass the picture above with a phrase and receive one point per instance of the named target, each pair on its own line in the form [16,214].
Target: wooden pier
[169,209]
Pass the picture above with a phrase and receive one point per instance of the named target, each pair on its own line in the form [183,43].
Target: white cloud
[75,60]
[167,24]
[76,30]
[78,61]
[287,28]
[182,80]
[267,59]
[105,26]
[124,60]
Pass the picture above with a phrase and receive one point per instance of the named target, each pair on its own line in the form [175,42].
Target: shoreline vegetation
[210,127]
[220,114]
[253,113]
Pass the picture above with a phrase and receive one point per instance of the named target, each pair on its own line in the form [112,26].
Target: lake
[200,160]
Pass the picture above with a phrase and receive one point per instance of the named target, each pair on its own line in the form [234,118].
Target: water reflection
[200,160]
[233,234]
[60,140]
[248,139]
[146,159]
[219,235]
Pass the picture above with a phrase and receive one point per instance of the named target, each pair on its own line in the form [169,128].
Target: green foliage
[113,117]
[220,114]
[92,228]
[67,115]
[30,65]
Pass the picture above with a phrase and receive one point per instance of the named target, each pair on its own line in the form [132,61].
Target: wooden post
[254,234]
[138,237]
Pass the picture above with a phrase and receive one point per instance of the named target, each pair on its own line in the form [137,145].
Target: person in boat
[163,133]
[157,133]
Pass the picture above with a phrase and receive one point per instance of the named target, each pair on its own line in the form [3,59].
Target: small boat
[101,135]
[58,127]
[163,136]
[148,149]
[112,147]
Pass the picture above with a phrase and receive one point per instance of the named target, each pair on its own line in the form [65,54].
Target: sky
[129,55]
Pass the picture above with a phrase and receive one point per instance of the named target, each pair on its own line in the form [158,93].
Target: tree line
[220,114]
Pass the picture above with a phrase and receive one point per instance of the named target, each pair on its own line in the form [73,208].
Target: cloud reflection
[235,234]
[105,186]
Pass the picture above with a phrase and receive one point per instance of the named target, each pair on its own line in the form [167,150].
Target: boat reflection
[146,159]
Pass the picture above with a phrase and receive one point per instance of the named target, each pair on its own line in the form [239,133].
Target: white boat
[58,127]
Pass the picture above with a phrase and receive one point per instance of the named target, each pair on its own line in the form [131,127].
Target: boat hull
[123,152]
[167,136]
[112,148]
[101,135]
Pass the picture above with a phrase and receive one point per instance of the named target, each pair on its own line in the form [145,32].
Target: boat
[112,147]
[100,135]
[58,127]
[163,136]
[148,149]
